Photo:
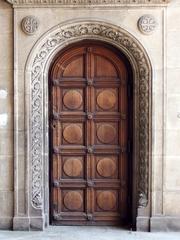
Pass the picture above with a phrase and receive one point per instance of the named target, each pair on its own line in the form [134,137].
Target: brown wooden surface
[89,137]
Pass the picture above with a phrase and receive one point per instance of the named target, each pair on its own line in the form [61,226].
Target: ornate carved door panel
[89,137]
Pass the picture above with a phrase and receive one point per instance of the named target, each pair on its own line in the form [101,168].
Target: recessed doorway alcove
[37,116]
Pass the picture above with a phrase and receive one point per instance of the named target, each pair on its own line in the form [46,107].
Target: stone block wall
[172,117]
[6,115]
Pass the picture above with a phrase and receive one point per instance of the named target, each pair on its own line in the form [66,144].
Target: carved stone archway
[36,81]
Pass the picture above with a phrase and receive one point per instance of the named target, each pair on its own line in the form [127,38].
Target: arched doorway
[90,136]
[36,100]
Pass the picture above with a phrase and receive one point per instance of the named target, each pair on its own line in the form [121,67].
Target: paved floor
[86,233]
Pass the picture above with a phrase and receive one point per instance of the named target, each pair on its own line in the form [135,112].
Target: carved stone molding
[147,24]
[48,46]
[89,2]
[29,25]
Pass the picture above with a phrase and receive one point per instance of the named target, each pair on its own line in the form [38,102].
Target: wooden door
[89,137]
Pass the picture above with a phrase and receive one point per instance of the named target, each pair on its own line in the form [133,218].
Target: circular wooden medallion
[106,167]
[106,133]
[72,133]
[72,167]
[106,200]
[106,99]
[72,99]
[73,200]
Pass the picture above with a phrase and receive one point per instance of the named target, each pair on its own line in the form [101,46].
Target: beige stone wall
[163,48]
[172,116]
[6,115]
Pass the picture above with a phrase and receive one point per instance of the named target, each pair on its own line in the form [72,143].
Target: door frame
[36,168]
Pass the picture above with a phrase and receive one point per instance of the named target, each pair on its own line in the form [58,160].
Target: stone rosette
[30,25]
[147,24]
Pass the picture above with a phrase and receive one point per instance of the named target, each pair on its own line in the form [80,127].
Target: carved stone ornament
[48,46]
[147,24]
[29,25]
[85,3]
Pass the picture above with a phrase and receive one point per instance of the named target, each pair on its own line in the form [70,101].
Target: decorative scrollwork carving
[123,40]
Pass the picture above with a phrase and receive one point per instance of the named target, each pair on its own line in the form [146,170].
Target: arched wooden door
[89,137]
